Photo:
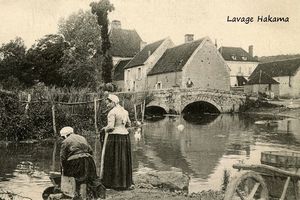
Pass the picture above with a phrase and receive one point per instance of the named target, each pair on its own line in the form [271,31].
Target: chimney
[116,24]
[188,38]
[142,45]
[250,50]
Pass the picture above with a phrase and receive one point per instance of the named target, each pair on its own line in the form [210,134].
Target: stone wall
[175,100]
[207,69]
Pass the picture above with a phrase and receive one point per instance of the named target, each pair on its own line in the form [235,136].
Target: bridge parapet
[175,100]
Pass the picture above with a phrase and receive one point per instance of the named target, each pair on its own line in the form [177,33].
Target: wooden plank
[239,194]
[253,191]
[285,188]
[268,170]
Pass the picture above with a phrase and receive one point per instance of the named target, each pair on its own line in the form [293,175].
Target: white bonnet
[66,131]
[113,98]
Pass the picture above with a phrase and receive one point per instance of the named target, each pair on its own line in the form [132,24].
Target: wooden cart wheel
[247,185]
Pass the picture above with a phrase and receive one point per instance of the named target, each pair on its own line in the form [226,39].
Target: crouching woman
[76,159]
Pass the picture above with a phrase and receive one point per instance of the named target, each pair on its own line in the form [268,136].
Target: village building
[125,44]
[240,62]
[262,84]
[195,61]
[135,72]
[286,72]
[118,74]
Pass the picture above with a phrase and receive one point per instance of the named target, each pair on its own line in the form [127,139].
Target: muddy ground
[149,194]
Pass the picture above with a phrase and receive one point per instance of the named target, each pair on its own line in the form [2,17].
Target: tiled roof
[175,58]
[261,78]
[236,54]
[124,43]
[143,55]
[279,68]
[119,70]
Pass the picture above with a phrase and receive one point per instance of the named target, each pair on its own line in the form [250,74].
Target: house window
[128,72]
[244,58]
[158,85]
[233,57]
[139,73]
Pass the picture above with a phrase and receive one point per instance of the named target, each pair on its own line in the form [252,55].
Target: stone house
[262,83]
[240,62]
[198,61]
[135,77]
[125,44]
[286,72]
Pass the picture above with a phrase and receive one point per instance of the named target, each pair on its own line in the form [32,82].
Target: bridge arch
[154,106]
[200,100]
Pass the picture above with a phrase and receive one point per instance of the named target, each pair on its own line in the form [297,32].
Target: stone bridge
[175,100]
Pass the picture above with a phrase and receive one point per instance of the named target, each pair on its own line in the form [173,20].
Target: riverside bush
[37,122]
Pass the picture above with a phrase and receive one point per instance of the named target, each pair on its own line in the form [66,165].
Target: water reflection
[203,149]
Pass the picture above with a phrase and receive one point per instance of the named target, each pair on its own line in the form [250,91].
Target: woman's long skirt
[82,169]
[117,169]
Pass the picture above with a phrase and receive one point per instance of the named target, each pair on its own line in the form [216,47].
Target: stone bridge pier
[175,100]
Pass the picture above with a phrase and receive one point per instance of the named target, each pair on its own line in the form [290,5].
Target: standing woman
[117,164]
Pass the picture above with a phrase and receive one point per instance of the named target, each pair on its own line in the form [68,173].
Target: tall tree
[82,61]
[101,10]
[81,30]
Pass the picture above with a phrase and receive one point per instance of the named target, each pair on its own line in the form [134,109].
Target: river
[201,146]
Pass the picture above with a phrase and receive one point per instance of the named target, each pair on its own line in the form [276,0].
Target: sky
[158,19]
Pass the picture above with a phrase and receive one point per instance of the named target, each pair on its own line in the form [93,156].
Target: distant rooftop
[175,58]
[287,67]
[143,55]
[236,54]
[124,43]
[119,70]
[261,78]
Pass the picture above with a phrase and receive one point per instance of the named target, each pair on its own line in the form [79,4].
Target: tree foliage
[78,71]
[101,10]
[13,68]
[82,61]
[82,32]
[45,59]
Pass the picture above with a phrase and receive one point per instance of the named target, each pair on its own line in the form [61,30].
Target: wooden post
[53,120]
[95,116]
[27,104]
[53,156]
[135,116]
[143,111]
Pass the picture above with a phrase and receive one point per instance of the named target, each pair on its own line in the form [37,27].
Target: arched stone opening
[154,111]
[201,107]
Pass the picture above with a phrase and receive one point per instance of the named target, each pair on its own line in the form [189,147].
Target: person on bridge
[117,161]
[189,83]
